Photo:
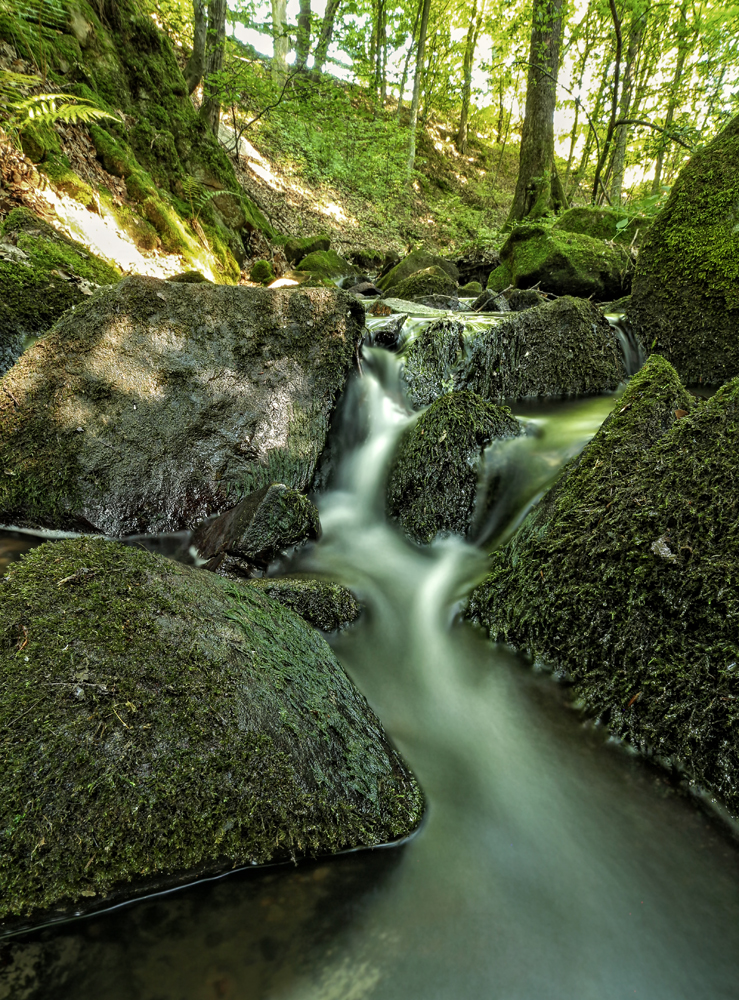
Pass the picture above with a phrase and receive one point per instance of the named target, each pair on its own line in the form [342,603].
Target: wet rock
[448,302]
[257,529]
[327,606]
[488,301]
[419,260]
[562,348]
[388,335]
[432,484]
[685,300]
[366,288]
[296,248]
[520,299]
[42,274]
[151,405]
[604,224]
[621,577]
[563,263]
[325,264]
[217,729]
[430,281]
[368,260]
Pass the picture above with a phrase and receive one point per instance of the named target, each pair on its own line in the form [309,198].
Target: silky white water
[552,865]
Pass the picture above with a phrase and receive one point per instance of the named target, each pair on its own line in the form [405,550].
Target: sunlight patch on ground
[102,235]
[335,211]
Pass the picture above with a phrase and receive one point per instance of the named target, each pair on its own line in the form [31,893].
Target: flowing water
[552,864]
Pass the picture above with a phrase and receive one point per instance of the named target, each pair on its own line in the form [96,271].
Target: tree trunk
[280,41]
[469,55]
[407,60]
[603,158]
[636,31]
[682,52]
[417,88]
[196,62]
[534,189]
[327,30]
[210,109]
[590,138]
[302,40]
[501,112]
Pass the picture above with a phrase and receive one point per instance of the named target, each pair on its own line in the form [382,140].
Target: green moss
[326,264]
[562,262]
[471,288]
[64,179]
[158,721]
[327,606]
[227,263]
[39,286]
[685,301]
[626,576]
[262,271]
[419,260]
[603,223]
[296,248]
[432,484]
[430,281]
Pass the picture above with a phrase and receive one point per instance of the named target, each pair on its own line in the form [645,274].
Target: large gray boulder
[624,577]
[154,405]
[161,723]
[561,348]
[685,298]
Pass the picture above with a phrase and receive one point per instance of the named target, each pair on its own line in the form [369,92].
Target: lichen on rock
[625,576]
[162,723]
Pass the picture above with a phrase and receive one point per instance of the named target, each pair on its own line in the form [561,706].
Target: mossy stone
[562,262]
[604,223]
[156,404]
[326,264]
[431,281]
[42,274]
[161,723]
[297,247]
[470,289]
[685,300]
[418,260]
[262,271]
[624,576]
[432,483]
[327,606]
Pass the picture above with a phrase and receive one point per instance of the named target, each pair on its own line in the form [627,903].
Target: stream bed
[553,864]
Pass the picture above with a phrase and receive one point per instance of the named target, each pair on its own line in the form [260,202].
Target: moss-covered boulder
[326,265]
[42,274]
[327,606]
[625,576]
[685,299]
[421,284]
[297,248]
[257,529]
[604,223]
[262,272]
[433,480]
[561,348]
[161,723]
[419,260]
[154,405]
[562,262]
[472,288]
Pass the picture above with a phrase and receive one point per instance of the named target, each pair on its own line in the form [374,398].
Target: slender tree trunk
[210,109]
[618,165]
[682,52]
[327,31]
[501,112]
[535,191]
[196,62]
[603,158]
[469,55]
[407,60]
[280,41]
[417,88]
[302,40]
[590,138]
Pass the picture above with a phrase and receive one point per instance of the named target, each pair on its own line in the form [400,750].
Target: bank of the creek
[552,863]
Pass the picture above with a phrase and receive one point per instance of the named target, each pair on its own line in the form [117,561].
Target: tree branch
[639,121]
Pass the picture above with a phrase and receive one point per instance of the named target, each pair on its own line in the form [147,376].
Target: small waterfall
[632,351]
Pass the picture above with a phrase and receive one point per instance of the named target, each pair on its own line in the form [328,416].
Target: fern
[20,112]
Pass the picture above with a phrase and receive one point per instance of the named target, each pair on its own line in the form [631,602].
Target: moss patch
[432,484]
[430,281]
[564,263]
[158,721]
[262,271]
[685,302]
[327,606]
[326,264]
[419,260]
[626,576]
[603,224]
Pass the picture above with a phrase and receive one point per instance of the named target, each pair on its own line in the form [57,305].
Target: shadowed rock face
[175,724]
[154,405]
[624,576]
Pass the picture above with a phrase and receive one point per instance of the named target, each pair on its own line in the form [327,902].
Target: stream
[553,864]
